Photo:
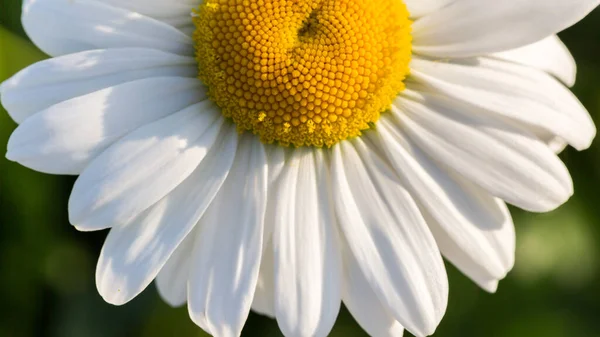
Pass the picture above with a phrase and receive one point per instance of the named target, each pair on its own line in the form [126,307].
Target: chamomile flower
[286,156]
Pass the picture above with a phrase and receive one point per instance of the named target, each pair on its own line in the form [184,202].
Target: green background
[47,267]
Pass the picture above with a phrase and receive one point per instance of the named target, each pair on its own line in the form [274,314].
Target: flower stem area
[47,283]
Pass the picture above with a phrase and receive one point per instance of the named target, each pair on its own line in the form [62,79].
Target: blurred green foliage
[47,268]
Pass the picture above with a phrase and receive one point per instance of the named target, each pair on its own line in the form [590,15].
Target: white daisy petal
[264,295]
[64,138]
[499,245]
[466,222]
[174,12]
[419,8]
[550,55]
[307,262]
[504,90]
[134,253]
[277,162]
[506,161]
[387,235]
[60,27]
[228,246]
[468,28]
[364,305]
[172,280]
[52,81]
[143,167]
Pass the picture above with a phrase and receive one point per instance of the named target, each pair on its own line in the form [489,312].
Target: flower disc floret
[303,72]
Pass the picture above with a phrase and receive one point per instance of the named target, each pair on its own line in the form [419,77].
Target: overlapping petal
[60,27]
[388,237]
[229,244]
[59,79]
[143,167]
[467,28]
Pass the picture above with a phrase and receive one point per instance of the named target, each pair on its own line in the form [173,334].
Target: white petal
[66,137]
[364,305]
[508,162]
[143,167]
[419,8]
[499,245]
[60,27]
[389,239]
[52,81]
[264,298]
[229,245]
[264,295]
[549,55]
[466,222]
[171,281]
[177,13]
[277,162]
[307,262]
[468,28]
[504,91]
[134,253]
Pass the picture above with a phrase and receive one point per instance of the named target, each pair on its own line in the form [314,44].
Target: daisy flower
[285,156]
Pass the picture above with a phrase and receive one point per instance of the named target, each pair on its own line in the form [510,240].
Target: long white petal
[264,295]
[143,167]
[134,253]
[264,298]
[229,244]
[171,281]
[468,28]
[420,8]
[507,161]
[307,261]
[66,137]
[60,27]
[550,55]
[364,305]
[508,91]
[174,12]
[389,239]
[59,79]
[466,222]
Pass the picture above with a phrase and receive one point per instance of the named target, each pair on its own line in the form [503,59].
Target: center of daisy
[303,72]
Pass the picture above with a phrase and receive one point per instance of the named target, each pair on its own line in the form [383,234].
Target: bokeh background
[47,267]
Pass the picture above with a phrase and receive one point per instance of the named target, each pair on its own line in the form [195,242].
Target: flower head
[286,156]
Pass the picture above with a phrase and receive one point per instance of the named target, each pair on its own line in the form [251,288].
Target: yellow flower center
[303,72]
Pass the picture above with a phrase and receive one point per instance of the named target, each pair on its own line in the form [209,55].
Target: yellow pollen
[303,72]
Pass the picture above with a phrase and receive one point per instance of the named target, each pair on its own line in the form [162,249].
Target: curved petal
[420,8]
[134,253]
[66,137]
[59,79]
[172,280]
[467,28]
[500,241]
[60,27]
[467,223]
[364,305]
[386,234]
[229,245]
[177,13]
[506,161]
[264,295]
[143,167]
[511,92]
[307,261]
[549,55]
